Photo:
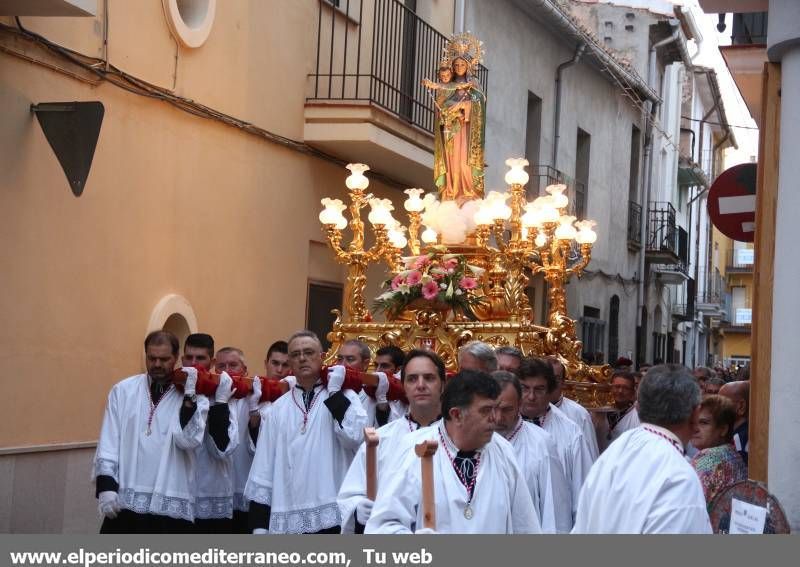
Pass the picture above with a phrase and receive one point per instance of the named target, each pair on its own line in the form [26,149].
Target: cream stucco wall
[174,204]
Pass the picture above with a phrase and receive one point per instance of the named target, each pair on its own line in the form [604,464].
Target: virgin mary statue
[460,130]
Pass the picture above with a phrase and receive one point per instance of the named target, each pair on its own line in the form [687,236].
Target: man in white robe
[423,376]
[538,383]
[144,464]
[213,480]
[572,409]
[642,484]
[537,455]
[276,363]
[509,358]
[625,415]
[314,431]
[478,484]
[477,355]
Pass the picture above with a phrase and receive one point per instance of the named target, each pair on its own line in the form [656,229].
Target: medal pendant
[147,432]
[468,512]
[303,429]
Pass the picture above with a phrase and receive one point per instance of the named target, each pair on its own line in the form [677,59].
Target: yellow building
[733,261]
[225,124]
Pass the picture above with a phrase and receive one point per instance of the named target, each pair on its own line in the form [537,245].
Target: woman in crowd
[717,463]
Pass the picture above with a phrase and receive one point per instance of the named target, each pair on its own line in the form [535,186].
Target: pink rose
[397,282]
[430,290]
[413,278]
[421,263]
[450,264]
[467,283]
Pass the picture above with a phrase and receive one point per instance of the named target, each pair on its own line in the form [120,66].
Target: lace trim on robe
[149,503]
[305,521]
[106,467]
[207,507]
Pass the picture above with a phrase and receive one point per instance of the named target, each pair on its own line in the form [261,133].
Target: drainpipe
[651,111]
[557,116]
[458,19]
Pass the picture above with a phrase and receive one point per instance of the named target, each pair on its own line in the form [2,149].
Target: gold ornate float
[505,238]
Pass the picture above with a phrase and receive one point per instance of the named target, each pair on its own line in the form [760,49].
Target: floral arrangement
[436,278]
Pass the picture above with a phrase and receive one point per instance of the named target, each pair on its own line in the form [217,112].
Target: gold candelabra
[510,237]
[541,240]
[355,256]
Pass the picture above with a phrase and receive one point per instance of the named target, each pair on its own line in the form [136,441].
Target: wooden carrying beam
[371,439]
[425,452]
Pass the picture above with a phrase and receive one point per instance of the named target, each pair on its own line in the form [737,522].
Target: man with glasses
[625,416]
[538,383]
[307,440]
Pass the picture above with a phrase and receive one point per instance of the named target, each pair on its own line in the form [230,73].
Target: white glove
[335,378]
[383,388]
[291,381]
[225,389]
[189,389]
[426,531]
[108,504]
[364,510]
[255,398]
[259,531]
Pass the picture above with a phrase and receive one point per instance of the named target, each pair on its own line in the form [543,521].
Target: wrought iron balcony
[381,57]
[365,99]
[634,226]
[667,243]
[710,300]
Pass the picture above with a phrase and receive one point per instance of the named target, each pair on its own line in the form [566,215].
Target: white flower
[476,270]
[459,292]
[443,286]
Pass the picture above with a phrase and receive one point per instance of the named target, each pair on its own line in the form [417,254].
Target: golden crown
[465,46]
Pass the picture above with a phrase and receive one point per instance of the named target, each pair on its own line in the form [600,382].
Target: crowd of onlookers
[719,448]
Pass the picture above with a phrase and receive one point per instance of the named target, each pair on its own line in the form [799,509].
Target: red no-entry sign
[732,202]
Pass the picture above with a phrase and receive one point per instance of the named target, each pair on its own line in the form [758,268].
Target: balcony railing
[378,51]
[740,260]
[634,224]
[661,228]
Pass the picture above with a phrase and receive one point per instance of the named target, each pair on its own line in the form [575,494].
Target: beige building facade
[187,222]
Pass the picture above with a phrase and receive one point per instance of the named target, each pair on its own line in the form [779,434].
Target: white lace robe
[573,451]
[581,416]
[501,502]
[629,421]
[155,472]
[537,455]
[642,484]
[354,487]
[397,409]
[214,472]
[298,475]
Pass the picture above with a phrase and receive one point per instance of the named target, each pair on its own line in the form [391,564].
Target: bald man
[739,394]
